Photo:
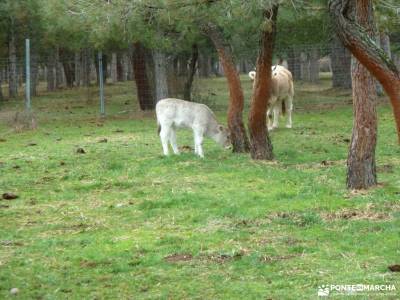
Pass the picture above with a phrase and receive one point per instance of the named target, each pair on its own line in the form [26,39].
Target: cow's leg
[198,141]
[277,111]
[172,140]
[269,118]
[164,136]
[289,109]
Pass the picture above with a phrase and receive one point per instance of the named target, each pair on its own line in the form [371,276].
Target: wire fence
[103,78]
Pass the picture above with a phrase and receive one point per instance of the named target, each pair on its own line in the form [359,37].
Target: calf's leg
[172,139]
[277,111]
[289,108]
[198,141]
[164,136]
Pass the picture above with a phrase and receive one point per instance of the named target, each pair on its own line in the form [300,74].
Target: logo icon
[323,291]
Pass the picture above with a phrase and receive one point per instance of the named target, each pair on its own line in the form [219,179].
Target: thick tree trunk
[341,65]
[145,95]
[239,138]
[361,166]
[187,92]
[68,62]
[13,72]
[366,51]
[260,143]
[160,72]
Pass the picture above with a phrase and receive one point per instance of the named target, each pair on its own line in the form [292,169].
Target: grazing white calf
[281,95]
[175,113]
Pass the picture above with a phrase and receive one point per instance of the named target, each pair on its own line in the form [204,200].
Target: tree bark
[1,88]
[34,71]
[314,65]
[239,138]
[77,68]
[365,50]
[85,67]
[114,75]
[12,56]
[160,72]
[260,143]
[51,73]
[187,91]
[59,73]
[120,67]
[361,165]
[341,64]
[145,95]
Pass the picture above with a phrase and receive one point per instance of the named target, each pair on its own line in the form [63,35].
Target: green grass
[121,221]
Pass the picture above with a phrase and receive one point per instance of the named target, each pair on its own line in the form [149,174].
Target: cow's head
[223,136]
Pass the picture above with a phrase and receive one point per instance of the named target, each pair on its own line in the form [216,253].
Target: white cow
[175,113]
[281,95]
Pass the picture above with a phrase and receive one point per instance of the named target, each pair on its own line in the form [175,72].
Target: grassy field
[121,221]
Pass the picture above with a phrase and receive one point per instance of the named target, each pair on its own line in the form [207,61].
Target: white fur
[282,91]
[176,113]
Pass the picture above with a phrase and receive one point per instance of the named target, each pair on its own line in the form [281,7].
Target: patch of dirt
[185,148]
[92,264]
[2,140]
[9,196]
[385,169]
[270,259]
[221,258]
[354,214]
[394,268]
[11,243]
[178,257]
[103,141]
[80,151]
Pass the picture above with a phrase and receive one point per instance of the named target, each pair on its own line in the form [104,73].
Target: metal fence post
[101,82]
[27,75]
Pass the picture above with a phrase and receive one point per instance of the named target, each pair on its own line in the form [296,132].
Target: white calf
[175,113]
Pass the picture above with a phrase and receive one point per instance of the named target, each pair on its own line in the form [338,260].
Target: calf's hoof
[288,126]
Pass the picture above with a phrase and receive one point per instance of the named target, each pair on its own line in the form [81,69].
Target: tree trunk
[68,62]
[120,67]
[85,67]
[187,92]
[160,72]
[260,143]
[341,65]
[59,70]
[13,72]
[51,73]
[77,65]
[204,65]
[145,96]
[1,88]
[34,72]
[114,75]
[314,65]
[239,138]
[367,53]
[361,166]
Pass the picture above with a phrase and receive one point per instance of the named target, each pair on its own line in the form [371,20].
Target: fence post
[101,83]
[27,76]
